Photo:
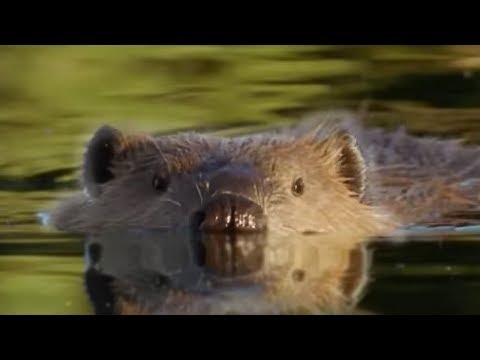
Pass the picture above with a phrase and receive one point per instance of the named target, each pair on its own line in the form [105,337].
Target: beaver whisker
[259,194]
[199,193]
[171,202]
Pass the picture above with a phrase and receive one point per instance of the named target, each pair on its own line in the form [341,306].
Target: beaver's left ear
[343,154]
[99,156]
[110,154]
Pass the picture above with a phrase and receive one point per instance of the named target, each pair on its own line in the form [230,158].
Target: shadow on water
[227,90]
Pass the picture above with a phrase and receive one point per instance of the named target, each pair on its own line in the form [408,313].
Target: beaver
[274,222]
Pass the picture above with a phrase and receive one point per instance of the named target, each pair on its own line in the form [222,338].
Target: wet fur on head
[118,172]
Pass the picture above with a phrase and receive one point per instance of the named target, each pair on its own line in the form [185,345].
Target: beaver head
[194,223]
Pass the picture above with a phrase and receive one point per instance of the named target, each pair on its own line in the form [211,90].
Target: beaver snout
[233,235]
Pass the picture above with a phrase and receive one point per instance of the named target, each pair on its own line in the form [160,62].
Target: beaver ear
[348,161]
[99,156]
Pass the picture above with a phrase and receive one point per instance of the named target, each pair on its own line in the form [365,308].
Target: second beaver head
[275,219]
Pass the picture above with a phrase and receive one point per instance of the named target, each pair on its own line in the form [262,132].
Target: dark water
[52,98]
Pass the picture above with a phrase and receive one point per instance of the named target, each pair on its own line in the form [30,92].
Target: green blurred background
[53,97]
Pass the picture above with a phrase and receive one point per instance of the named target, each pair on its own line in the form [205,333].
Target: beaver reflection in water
[267,223]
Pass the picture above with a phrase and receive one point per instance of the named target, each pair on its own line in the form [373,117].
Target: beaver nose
[232,213]
[233,235]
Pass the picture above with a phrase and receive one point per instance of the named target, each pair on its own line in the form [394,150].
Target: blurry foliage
[53,97]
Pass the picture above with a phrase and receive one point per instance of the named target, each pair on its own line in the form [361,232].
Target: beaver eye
[160,183]
[298,187]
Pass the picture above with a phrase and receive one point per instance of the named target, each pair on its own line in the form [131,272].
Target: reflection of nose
[231,255]
[233,237]
[233,224]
